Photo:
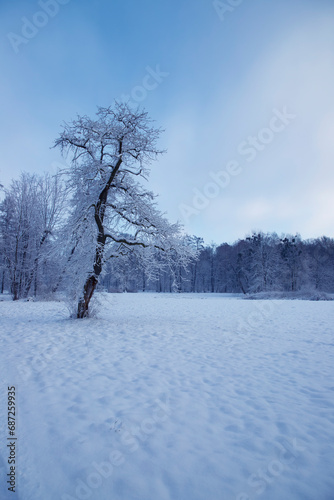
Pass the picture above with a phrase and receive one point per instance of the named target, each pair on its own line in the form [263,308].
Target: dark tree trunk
[15,289]
[83,304]
[212,279]
[193,281]
[3,281]
[92,280]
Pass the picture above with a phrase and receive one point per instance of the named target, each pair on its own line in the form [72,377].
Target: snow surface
[170,397]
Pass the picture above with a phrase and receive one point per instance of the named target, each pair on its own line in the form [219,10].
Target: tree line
[35,260]
[257,263]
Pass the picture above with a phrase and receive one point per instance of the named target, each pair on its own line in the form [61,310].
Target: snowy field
[170,397]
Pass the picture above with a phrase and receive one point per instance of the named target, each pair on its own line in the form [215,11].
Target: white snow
[170,397]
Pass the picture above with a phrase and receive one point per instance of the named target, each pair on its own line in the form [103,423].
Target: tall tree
[291,255]
[112,213]
[263,261]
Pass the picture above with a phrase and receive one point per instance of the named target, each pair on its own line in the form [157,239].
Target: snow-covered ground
[170,397]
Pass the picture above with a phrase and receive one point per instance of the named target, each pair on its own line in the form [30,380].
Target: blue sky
[223,78]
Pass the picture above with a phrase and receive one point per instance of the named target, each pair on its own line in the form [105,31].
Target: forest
[35,261]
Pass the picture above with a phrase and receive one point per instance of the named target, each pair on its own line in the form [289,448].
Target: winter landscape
[167,250]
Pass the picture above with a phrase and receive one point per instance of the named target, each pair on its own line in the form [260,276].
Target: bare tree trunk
[35,282]
[83,304]
[3,281]
[194,275]
[15,284]
[212,280]
[15,289]
[91,281]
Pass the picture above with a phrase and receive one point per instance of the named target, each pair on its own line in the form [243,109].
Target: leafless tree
[112,213]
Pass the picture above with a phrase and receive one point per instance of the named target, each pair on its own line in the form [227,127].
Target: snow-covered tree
[319,265]
[29,215]
[198,244]
[263,261]
[291,256]
[112,212]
